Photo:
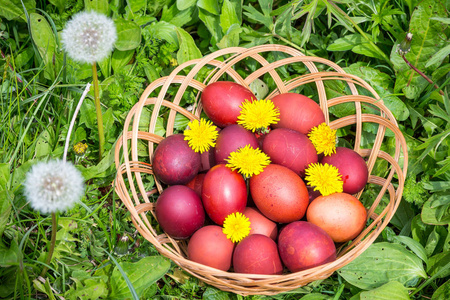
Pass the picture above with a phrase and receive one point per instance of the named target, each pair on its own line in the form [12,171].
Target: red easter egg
[224,192]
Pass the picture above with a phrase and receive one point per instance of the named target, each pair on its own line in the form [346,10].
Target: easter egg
[223,192]
[279,193]
[179,211]
[230,139]
[303,245]
[341,215]
[351,166]
[257,254]
[174,162]
[209,246]
[297,112]
[290,148]
[221,101]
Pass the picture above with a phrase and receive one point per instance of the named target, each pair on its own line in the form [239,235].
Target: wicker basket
[136,145]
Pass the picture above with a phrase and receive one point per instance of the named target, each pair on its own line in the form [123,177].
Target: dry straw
[133,166]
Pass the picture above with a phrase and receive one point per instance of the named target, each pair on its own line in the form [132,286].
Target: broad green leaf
[266,6]
[141,274]
[44,288]
[215,294]
[184,4]
[316,296]
[159,128]
[393,290]
[381,83]
[164,31]
[43,147]
[5,175]
[228,16]
[45,41]
[211,6]
[231,38]
[181,122]
[128,35]
[9,256]
[436,214]
[188,50]
[437,186]
[104,168]
[414,245]
[443,292]
[443,20]
[259,88]
[382,263]
[120,59]
[60,4]
[253,14]
[87,287]
[43,36]
[212,23]
[23,57]
[136,5]
[177,17]
[6,198]
[100,6]
[438,57]
[367,49]
[105,66]
[428,36]
[439,263]
[13,9]
[237,7]
[345,43]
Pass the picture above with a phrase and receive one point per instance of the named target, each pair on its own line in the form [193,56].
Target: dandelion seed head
[53,186]
[89,37]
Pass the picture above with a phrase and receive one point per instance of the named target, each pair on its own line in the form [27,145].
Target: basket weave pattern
[132,165]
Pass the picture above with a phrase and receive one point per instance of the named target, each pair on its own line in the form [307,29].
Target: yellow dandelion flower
[80,148]
[323,138]
[324,178]
[248,161]
[201,135]
[236,227]
[258,115]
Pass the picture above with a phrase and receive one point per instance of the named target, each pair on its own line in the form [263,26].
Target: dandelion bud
[405,45]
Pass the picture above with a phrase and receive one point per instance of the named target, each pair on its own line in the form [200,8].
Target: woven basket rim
[131,168]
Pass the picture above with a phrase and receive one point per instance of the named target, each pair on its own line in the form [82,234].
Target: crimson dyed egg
[197,183]
[290,148]
[279,193]
[351,166]
[174,162]
[179,211]
[303,245]
[259,224]
[221,101]
[209,246]
[224,192]
[232,138]
[257,254]
[297,112]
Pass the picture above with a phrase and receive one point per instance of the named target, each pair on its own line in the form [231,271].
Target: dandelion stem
[98,108]
[422,74]
[52,244]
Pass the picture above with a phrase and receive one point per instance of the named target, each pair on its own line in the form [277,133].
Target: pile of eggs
[292,226]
